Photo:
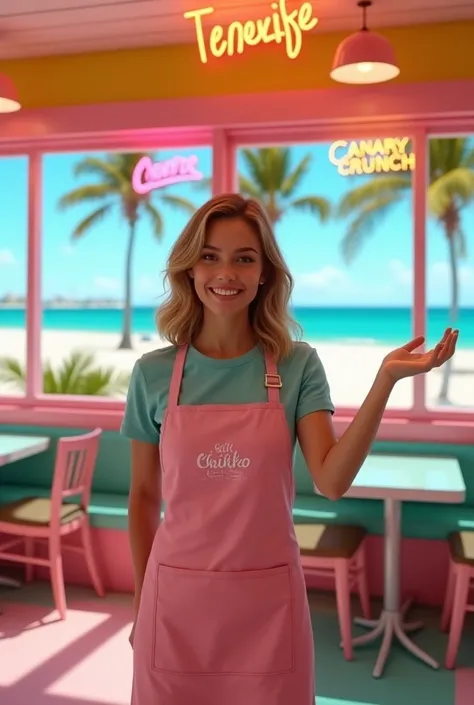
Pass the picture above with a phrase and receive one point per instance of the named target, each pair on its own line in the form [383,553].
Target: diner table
[395,479]
[17,447]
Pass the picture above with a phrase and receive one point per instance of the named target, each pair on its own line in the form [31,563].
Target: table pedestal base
[388,626]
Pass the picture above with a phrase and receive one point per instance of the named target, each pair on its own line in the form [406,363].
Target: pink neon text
[148,175]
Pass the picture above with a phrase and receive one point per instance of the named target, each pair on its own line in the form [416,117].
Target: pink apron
[224,617]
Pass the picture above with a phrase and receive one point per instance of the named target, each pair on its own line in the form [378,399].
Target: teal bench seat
[419,519]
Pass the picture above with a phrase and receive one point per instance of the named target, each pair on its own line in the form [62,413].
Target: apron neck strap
[272,378]
[177,376]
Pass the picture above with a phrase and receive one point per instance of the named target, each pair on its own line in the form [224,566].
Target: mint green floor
[406,681]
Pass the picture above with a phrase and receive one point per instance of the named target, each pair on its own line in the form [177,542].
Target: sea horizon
[383,325]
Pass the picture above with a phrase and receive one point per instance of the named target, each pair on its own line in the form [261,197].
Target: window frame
[306,116]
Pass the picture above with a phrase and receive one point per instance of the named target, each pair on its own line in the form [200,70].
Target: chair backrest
[74,468]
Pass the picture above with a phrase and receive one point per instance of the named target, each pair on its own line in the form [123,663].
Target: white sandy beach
[350,367]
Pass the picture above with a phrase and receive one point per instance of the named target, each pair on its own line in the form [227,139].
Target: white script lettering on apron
[223,462]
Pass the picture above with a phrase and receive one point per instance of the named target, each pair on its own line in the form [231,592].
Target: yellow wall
[425,53]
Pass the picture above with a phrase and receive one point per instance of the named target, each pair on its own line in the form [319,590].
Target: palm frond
[317,205]
[256,164]
[182,204]
[249,189]
[90,192]
[377,187]
[13,372]
[92,219]
[455,185]
[363,224]
[291,181]
[108,170]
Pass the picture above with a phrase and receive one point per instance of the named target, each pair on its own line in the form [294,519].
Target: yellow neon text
[280,25]
[371,156]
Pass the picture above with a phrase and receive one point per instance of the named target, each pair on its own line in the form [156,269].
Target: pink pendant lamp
[9,102]
[364,57]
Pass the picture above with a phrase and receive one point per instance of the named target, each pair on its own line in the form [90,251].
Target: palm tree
[76,375]
[273,181]
[450,190]
[112,189]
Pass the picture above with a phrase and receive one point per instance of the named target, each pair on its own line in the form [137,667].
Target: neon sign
[280,25]
[371,156]
[148,175]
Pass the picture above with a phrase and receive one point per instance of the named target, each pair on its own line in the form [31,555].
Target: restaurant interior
[353,124]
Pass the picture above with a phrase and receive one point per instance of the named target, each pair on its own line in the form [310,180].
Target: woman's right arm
[144,507]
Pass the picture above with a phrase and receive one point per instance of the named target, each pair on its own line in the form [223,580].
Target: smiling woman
[104,250]
[13,274]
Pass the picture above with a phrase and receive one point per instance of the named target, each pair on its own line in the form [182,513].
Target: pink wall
[424,566]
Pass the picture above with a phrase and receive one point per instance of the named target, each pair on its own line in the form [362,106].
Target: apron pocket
[219,622]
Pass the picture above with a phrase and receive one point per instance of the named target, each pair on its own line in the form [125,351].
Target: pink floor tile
[86,659]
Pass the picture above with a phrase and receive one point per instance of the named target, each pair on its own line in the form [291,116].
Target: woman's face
[230,270]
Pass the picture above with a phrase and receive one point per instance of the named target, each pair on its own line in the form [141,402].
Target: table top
[17,447]
[410,478]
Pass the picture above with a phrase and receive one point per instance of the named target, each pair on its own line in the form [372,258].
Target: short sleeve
[138,422]
[314,392]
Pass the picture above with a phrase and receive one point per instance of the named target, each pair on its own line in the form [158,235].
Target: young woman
[222,615]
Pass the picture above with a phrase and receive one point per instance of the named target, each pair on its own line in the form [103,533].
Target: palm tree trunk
[126,342]
[453,316]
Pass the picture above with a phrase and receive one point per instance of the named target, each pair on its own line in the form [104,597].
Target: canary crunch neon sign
[277,27]
[371,156]
[148,175]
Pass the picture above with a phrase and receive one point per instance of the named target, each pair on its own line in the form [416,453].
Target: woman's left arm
[333,463]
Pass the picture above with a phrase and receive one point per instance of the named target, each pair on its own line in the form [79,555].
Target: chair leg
[29,553]
[90,559]
[362,582]
[461,591]
[449,598]
[343,599]
[57,576]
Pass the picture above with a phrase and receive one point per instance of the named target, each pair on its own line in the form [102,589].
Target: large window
[13,273]
[450,267]
[342,213]
[108,226]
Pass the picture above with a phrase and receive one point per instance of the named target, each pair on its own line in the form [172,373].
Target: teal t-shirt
[207,380]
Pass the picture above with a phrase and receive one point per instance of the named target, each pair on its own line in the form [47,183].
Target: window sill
[392,428]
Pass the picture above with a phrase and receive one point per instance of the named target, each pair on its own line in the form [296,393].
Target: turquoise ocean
[386,326]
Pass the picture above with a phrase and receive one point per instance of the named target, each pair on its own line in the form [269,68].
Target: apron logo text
[223,461]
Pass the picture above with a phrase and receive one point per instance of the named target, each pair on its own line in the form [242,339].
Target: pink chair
[338,552]
[460,581]
[33,519]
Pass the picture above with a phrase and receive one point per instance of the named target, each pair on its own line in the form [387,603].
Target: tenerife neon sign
[372,156]
[148,175]
[281,25]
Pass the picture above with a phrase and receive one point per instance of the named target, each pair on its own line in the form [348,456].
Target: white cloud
[440,274]
[327,276]
[7,257]
[400,273]
[147,285]
[67,250]
[107,284]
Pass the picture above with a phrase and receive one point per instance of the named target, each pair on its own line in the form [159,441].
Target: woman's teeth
[225,292]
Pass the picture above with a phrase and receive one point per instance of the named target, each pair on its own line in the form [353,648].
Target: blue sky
[94,266]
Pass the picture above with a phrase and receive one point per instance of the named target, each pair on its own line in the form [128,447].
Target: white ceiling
[47,27]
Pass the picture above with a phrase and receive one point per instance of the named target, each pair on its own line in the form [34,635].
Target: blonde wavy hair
[179,319]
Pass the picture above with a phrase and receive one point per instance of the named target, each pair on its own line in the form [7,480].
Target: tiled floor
[86,660]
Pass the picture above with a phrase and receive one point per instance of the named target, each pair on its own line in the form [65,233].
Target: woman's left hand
[404,362]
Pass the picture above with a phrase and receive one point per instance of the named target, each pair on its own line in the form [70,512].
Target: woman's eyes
[244,258]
